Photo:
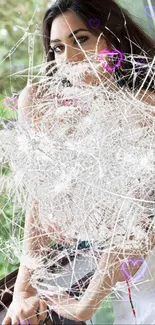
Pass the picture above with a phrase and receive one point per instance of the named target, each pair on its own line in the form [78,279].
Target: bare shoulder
[30,93]
[26,102]
[26,96]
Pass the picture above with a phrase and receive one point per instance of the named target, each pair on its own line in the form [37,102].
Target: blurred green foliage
[19,20]
[104,314]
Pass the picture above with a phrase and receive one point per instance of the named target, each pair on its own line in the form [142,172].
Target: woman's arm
[26,105]
[25,305]
[34,238]
[22,284]
[35,243]
[108,273]
[100,286]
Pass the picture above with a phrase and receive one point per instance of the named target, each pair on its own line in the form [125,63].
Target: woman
[72,30]
[113,25]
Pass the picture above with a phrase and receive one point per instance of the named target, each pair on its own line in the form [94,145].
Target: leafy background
[18,18]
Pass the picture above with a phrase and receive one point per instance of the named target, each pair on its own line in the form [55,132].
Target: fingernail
[41,322]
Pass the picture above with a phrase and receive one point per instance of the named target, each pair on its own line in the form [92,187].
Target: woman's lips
[70,102]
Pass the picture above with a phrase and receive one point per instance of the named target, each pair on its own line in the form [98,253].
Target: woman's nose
[73,54]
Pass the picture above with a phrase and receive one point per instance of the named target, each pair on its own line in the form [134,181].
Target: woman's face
[64,29]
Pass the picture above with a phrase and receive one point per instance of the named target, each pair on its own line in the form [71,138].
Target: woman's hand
[65,306]
[99,287]
[108,273]
[24,308]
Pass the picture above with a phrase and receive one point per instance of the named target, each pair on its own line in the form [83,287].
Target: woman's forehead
[66,23]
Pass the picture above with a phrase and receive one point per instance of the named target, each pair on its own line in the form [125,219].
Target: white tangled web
[82,167]
[83,155]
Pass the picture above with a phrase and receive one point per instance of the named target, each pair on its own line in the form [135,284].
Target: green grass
[6,212]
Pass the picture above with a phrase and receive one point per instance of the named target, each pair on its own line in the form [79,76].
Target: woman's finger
[15,321]
[43,310]
[6,320]
[29,320]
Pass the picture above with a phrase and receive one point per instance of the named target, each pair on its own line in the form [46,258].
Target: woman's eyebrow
[70,35]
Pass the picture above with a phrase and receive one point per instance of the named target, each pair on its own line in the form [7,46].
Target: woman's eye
[58,49]
[81,39]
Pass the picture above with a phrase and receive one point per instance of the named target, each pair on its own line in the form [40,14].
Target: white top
[142,294]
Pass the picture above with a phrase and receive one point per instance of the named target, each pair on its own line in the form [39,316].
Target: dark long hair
[118,30]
